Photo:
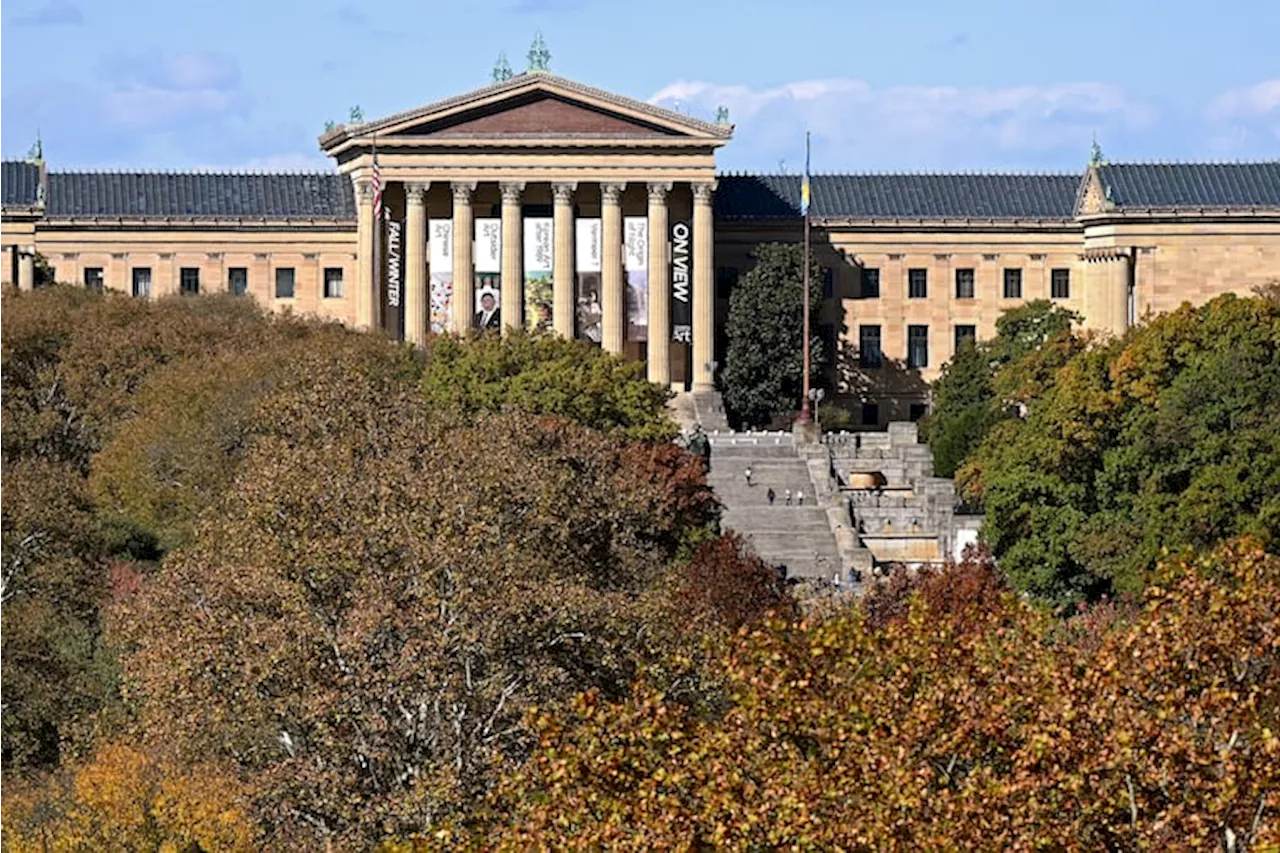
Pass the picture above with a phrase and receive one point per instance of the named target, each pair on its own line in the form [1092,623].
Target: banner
[681,304]
[635,261]
[440,257]
[488,245]
[588,314]
[539,255]
[395,279]
[488,261]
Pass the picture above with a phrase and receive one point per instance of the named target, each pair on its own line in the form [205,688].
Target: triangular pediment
[1094,196]
[535,105]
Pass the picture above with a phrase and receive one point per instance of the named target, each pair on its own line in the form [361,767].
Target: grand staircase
[798,538]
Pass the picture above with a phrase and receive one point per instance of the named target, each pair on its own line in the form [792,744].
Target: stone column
[26,268]
[659,360]
[704,305]
[415,258]
[464,276]
[562,310]
[364,253]
[512,253]
[1106,289]
[612,301]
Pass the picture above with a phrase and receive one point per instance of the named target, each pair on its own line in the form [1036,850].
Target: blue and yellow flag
[804,185]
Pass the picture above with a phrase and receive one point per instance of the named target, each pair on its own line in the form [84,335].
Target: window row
[918,283]
[871,354]
[237,281]
[871,413]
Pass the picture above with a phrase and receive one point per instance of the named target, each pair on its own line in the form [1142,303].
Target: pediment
[534,105]
[537,113]
[1094,197]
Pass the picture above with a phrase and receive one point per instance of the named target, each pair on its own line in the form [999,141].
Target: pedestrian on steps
[799,497]
[771,495]
[748,473]
[787,497]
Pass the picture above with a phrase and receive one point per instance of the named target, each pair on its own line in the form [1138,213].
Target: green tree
[978,386]
[1167,438]
[764,363]
[546,375]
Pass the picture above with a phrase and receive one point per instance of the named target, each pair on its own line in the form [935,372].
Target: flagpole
[805,414]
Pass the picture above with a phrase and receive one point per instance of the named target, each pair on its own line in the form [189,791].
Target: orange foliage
[962,722]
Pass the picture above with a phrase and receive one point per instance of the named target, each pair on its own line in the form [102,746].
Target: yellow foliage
[122,800]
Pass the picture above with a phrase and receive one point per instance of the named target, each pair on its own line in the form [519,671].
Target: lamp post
[816,395]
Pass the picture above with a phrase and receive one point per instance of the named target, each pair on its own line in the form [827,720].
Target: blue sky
[907,85]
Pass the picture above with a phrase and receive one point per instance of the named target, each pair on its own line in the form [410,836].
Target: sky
[901,86]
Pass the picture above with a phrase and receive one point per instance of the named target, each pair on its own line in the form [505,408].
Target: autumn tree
[963,719]
[546,375]
[362,620]
[123,800]
[764,362]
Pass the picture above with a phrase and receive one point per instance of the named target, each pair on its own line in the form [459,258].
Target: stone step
[777,523]
[797,544]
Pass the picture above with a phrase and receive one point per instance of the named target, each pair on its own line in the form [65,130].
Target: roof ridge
[1274,162]
[230,173]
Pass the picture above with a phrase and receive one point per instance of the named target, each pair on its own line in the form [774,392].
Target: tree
[978,386]
[954,717]
[362,621]
[122,800]
[764,363]
[1133,448]
[546,375]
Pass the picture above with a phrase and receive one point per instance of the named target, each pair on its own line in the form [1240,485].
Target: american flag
[377,186]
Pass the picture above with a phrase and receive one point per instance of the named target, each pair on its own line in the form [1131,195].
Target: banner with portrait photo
[440,258]
[588,313]
[488,283]
[635,262]
[539,262]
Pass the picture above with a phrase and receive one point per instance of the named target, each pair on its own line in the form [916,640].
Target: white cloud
[913,127]
[1256,101]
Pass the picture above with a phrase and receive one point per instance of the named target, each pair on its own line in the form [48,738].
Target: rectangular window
[142,281]
[93,279]
[1060,284]
[726,279]
[964,284]
[284,283]
[189,281]
[871,414]
[965,333]
[1013,284]
[869,352]
[917,411]
[918,284]
[333,282]
[238,281]
[828,283]
[870,283]
[917,347]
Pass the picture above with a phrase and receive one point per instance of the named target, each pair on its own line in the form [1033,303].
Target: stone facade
[910,261]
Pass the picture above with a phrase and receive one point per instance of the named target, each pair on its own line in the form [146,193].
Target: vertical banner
[635,261]
[488,260]
[539,249]
[440,257]
[588,314]
[681,305]
[395,279]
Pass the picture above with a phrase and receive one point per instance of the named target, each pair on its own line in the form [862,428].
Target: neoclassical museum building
[541,202]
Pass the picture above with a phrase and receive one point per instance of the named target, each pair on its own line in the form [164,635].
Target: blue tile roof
[900,196]
[1192,184]
[18,183]
[177,194]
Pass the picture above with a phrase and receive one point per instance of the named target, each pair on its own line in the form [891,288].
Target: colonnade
[612,285]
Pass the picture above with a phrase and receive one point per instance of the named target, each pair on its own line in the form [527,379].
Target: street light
[816,395]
